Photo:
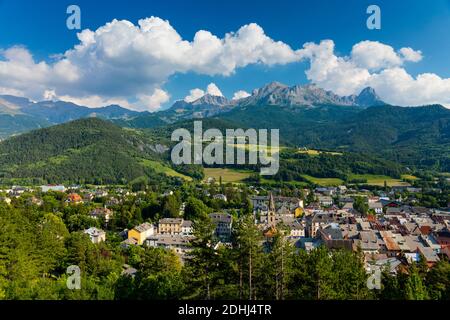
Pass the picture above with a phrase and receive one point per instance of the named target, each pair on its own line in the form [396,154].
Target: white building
[57,188]
[376,206]
[96,235]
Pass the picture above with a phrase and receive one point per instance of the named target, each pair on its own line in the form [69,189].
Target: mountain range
[273,94]
[19,115]
[307,116]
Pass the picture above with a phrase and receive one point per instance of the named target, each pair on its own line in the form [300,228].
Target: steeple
[271,221]
[271,202]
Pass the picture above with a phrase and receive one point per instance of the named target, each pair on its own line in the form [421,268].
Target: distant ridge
[21,114]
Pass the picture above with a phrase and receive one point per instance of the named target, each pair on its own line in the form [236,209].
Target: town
[385,226]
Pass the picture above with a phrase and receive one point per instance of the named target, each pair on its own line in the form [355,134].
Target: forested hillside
[83,151]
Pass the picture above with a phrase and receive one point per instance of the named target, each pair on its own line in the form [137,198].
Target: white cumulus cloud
[376,65]
[195,94]
[122,61]
[241,94]
[130,63]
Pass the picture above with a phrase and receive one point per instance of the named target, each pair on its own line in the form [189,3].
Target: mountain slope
[416,136]
[87,150]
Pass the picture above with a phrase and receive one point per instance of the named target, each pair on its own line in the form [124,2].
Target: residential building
[325,201]
[377,207]
[141,232]
[74,198]
[186,228]
[56,188]
[223,223]
[220,197]
[104,213]
[96,235]
[170,226]
[178,243]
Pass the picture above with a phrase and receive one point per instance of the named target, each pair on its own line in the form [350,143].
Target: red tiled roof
[425,230]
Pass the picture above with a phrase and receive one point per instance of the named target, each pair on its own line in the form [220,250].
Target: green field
[158,167]
[313,152]
[324,181]
[409,177]
[228,175]
[378,180]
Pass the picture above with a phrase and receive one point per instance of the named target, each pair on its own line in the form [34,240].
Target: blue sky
[40,27]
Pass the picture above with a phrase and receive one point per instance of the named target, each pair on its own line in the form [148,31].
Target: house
[186,228]
[325,201]
[100,193]
[326,191]
[296,229]
[96,235]
[413,190]
[443,238]
[330,232]
[141,232]
[368,242]
[318,220]
[128,242]
[349,230]
[430,255]
[283,205]
[381,264]
[431,242]
[331,236]
[414,242]
[220,197]
[363,224]
[104,213]
[88,197]
[128,271]
[342,189]
[16,191]
[223,223]
[74,198]
[394,243]
[377,207]
[390,203]
[348,206]
[55,188]
[170,226]
[178,243]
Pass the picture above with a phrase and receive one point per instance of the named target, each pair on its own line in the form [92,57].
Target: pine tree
[250,255]
[414,287]
[201,264]
[438,281]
